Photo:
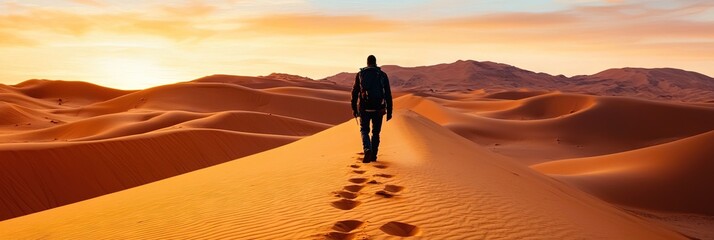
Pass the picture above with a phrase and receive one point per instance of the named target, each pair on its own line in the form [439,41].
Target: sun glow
[133,73]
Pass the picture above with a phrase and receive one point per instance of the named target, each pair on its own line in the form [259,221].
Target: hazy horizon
[139,44]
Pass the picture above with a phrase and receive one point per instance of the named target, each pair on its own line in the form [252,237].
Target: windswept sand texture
[278,157]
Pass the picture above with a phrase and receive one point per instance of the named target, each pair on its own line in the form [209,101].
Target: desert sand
[278,157]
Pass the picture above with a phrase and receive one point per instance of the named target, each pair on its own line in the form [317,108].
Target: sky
[135,44]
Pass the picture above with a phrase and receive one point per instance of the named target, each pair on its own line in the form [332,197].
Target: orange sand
[208,159]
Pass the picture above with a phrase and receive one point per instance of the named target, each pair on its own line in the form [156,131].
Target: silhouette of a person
[371,100]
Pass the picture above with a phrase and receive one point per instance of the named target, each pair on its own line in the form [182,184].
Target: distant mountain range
[469,75]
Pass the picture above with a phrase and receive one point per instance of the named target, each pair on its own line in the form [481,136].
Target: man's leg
[376,129]
[364,130]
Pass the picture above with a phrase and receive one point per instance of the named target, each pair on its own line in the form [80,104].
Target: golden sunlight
[133,73]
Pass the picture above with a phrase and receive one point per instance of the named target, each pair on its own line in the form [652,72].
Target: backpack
[371,82]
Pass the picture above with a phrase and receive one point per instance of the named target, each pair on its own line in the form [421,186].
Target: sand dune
[40,176]
[559,126]
[315,188]
[273,80]
[514,95]
[216,97]
[74,93]
[17,98]
[132,123]
[15,117]
[109,140]
[673,177]
[148,163]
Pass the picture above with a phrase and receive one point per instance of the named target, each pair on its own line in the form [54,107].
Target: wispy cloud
[93,3]
[191,9]
[317,24]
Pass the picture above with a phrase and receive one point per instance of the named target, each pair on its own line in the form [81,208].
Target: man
[371,99]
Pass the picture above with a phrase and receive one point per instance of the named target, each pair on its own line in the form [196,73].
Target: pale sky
[138,44]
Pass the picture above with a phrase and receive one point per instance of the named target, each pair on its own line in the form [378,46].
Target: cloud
[93,3]
[629,27]
[168,28]
[42,24]
[191,9]
[510,21]
[46,20]
[317,24]
[9,39]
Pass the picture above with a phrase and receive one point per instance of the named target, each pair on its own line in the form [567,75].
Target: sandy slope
[102,140]
[438,186]
[73,93]
[555,126]
[675,176]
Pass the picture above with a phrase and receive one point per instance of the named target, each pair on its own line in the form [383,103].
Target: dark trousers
[376,119]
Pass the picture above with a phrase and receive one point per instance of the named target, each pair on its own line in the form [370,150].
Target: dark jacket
[357,87]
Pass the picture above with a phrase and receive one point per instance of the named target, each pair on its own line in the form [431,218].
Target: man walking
[371,100]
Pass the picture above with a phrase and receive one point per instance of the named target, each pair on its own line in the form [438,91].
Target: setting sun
[131,73]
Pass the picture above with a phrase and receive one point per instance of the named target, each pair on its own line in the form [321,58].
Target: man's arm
[388,96]
[355,94]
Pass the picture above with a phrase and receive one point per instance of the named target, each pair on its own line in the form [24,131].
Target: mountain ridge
[467,75]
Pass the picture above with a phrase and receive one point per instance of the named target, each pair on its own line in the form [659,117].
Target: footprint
[358,180]
[393,188]
[339,236]
[373,182]
[359,171]
[384,194]
[380,166]
[360,153]
[400,229]
[383,175]
[347,225]
[345,204]
[346,194]
[353,188]
[354,166]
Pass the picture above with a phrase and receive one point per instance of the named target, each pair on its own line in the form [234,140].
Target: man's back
[371,99]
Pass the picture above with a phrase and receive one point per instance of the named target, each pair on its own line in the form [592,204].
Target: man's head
[371,60]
